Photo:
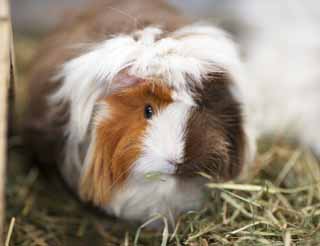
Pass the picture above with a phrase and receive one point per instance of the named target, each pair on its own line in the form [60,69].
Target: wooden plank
[5,78]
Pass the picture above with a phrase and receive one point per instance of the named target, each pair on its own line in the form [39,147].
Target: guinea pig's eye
[148,111]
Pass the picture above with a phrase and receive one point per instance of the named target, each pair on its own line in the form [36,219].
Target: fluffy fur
[187,54]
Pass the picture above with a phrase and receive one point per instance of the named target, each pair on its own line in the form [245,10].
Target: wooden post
[6,89]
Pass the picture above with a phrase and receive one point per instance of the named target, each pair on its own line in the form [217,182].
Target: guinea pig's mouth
[174,172]
[180,170]
[177,173]
[174,169]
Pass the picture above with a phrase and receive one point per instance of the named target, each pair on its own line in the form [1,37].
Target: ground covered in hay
[279,204]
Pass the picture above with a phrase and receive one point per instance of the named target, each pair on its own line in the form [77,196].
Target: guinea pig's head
[170,110]
[148,128]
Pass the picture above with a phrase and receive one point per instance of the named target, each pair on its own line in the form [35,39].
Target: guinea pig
[132,101]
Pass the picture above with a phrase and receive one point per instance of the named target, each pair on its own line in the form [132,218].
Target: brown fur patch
[215,138]
[118,139]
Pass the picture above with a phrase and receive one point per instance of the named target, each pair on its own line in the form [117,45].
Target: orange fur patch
[119,139]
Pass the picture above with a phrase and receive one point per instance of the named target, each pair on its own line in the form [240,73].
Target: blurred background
[245,19]
[40,15]
[46,14]
[279,41]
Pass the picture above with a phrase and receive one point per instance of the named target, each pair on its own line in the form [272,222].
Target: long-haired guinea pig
[131,90]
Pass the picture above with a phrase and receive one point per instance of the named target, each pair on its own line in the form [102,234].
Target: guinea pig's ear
[123,80]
